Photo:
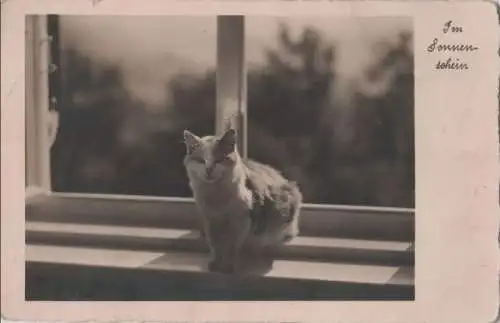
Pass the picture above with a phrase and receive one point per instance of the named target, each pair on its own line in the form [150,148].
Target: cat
[240,202]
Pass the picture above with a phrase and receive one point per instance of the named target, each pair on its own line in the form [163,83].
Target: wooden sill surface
[168,239]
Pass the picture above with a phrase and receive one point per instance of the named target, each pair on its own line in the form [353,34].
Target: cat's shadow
[249,263]
[254,266]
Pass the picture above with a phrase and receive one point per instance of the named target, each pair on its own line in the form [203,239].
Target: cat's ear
[227,142]
[191,140]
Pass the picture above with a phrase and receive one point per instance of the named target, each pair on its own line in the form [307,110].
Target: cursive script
[451,62]
[443,47]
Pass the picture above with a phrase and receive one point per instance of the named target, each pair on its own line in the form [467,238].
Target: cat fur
[240,202]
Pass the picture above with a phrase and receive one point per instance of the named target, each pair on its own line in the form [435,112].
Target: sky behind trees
[151,49]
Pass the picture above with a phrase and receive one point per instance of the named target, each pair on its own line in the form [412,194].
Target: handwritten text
[452,49]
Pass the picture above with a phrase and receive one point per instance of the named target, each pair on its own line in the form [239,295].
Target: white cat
[239,201]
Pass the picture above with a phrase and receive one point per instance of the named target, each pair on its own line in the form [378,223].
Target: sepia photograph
[219,158]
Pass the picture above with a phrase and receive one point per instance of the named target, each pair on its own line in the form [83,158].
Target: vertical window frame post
[37,103]
[231,105]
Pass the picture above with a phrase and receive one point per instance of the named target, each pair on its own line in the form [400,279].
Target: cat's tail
[293,212]
[295,199]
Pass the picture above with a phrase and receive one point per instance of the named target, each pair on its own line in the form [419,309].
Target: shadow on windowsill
[249,264]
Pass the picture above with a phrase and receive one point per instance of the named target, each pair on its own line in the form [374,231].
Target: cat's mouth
[210,178]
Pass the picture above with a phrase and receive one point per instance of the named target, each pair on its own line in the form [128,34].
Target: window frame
[37,69]
[231,103]
[231,78]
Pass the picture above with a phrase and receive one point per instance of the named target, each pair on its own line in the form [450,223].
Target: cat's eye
[223,159]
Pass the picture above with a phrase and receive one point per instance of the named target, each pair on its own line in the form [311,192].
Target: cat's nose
[209,170]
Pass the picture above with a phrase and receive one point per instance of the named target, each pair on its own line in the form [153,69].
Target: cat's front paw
[227,268]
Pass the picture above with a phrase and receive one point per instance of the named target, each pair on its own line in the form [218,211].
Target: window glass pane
[330,104]
[129,86]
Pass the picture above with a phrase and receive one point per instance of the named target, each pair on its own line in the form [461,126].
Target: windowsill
[374,223]
[337,245]
[193,262]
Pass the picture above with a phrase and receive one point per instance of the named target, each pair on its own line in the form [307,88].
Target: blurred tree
[192,106]
[384,126]
[109,143]
[91,111]
[287,98]
[291,100]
